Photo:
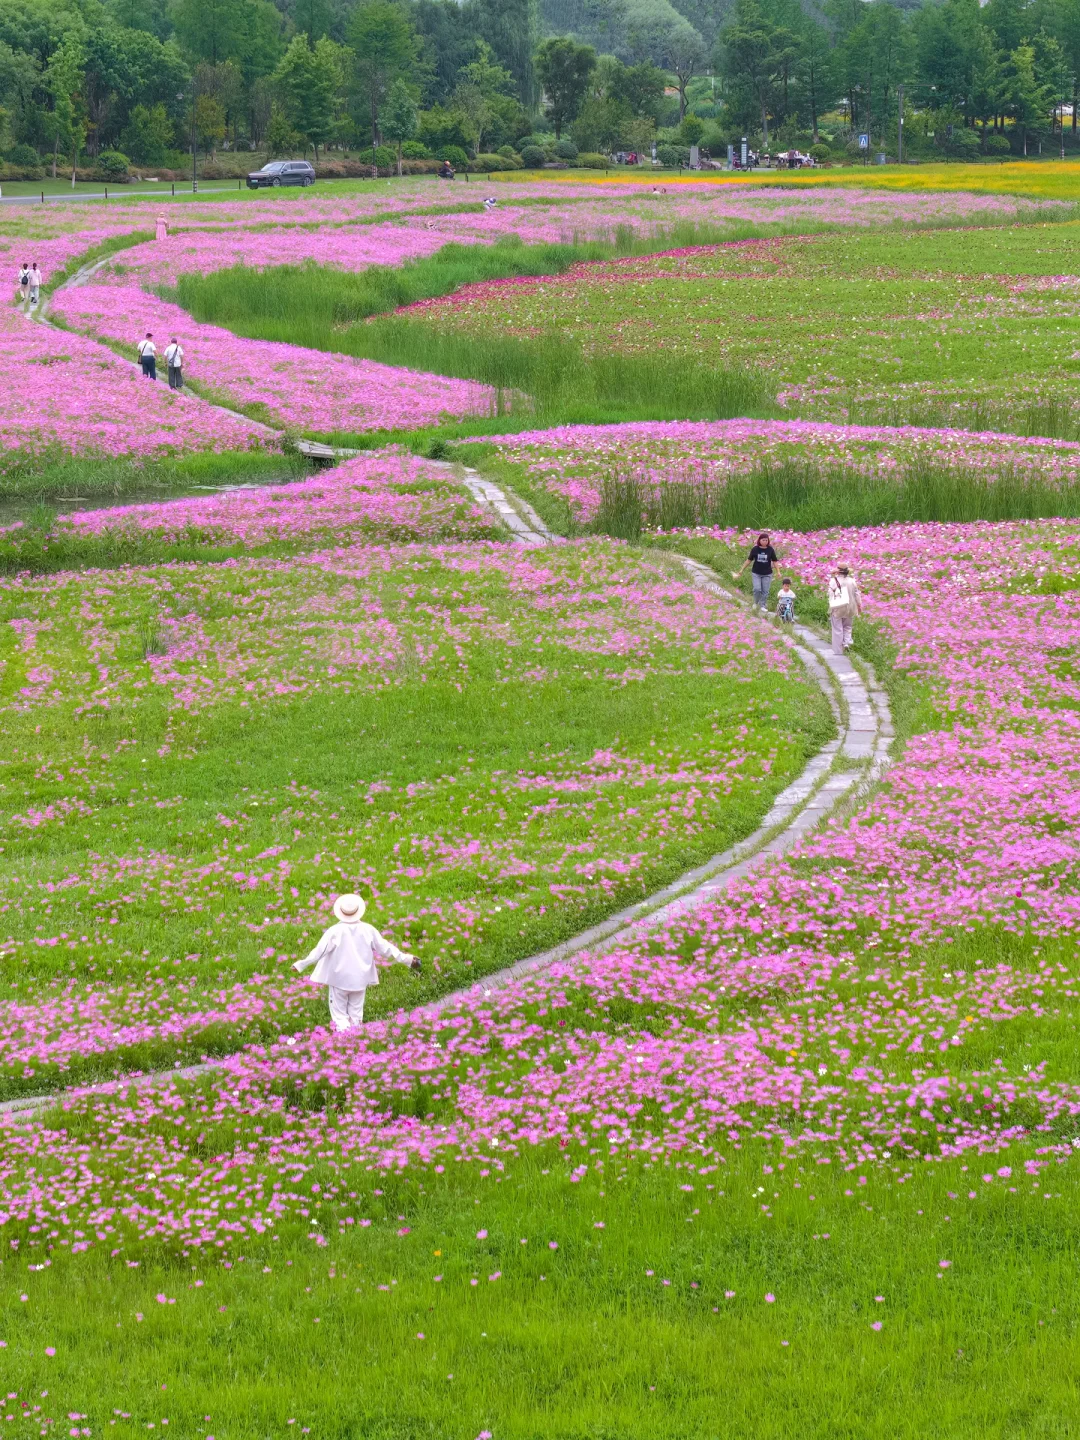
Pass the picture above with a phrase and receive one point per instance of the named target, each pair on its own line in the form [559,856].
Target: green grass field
[353,720]
[656,1325]
[878,329]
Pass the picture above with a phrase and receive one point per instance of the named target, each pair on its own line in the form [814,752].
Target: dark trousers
[149,366]
[176,377]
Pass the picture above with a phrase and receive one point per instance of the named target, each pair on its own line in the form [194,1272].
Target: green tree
[20,86]
[754,56]
[684,55]
[1065,23]
[1027,100]
[484,97]
[812,74]
[149,135]
[872,58]
[308,80]
[691,129]
[510,28]
[563,69]
[641,88]
[247,31]
[386,48]
[68,121]
[209,123]
[399,117]
[281,138]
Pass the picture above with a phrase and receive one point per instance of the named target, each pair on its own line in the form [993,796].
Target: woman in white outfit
[344,961]
[844,604]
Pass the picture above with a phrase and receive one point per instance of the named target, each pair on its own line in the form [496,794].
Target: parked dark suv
[282,172]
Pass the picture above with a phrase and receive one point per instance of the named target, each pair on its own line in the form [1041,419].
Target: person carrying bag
[844,605]
[174,359]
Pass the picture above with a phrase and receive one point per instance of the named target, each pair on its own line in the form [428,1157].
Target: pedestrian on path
[161,229]
[844,604]
[344,961]
[174,359]
[35,284]
[148,356]
[761,559]
[785,604]
[24,282]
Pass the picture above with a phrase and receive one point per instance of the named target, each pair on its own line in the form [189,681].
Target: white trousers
[346,1007]
[841,633]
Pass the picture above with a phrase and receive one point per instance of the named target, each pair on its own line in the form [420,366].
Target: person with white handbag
[344,961]
[844,604]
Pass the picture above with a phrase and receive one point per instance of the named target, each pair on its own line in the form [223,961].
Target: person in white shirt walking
[35,284]
[147,352]
[344,961]
[174,359]
[24,282]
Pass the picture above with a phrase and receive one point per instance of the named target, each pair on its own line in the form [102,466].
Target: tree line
[151,79]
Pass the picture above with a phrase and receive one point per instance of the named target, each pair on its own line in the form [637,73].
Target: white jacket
[345,956]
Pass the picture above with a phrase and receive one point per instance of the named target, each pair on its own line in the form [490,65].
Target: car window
[273,168]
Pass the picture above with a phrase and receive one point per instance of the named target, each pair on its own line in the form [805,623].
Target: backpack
[838,598]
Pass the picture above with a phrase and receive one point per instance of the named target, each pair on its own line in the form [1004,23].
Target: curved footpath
[845,767]
[841,771]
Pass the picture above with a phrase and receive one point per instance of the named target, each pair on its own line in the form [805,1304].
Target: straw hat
[349,908]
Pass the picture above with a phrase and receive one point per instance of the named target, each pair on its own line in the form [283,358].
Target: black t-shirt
[762,558]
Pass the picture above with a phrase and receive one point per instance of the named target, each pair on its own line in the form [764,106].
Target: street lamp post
[194,138]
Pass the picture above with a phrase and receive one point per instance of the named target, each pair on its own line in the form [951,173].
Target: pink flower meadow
[291,386]
[969,833]
[386,495]
[68,393]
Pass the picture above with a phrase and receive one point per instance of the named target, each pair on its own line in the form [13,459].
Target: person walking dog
[761,559]
[147,352]
[174,359]
[844,604]
[344,961]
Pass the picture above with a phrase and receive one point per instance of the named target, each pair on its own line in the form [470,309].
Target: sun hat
[349,908]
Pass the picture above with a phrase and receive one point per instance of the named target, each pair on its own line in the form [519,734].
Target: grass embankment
[455,735]
[58,479]
[657,1325]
